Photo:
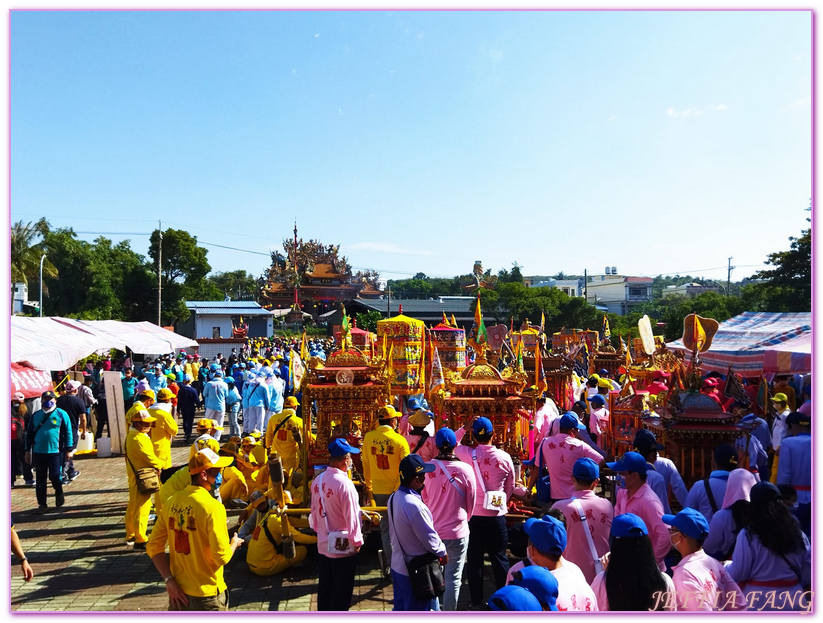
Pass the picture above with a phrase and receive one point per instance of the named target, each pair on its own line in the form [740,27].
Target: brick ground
[81,561]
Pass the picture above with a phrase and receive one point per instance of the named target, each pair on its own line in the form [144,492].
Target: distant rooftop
[233,308]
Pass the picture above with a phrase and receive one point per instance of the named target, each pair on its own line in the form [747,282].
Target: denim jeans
[234,426]
[453,572]
[404,600]
[382,499]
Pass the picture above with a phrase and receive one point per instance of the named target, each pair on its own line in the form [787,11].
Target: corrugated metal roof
[231,308]
[412,306]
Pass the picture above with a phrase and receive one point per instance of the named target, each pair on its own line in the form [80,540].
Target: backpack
[18,425]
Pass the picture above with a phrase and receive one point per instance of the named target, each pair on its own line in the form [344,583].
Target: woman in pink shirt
[700,581]
[450,494]
[632,581]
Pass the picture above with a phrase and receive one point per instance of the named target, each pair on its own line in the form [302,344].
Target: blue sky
[657,142]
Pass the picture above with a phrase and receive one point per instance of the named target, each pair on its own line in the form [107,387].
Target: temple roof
[324,271]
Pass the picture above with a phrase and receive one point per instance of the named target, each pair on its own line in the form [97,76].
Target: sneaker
[140,546]
[43,508]
[30,483]
[59,499]
[74,475]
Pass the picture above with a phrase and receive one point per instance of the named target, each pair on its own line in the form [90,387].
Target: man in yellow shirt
[139,454]
[180,479]
[164,428]
[284,434]
[383,449]
[142,402]
[193,526]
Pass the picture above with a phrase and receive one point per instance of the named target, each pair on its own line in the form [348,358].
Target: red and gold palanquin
[403,339]
[451,346]
[348,390]
[480,391]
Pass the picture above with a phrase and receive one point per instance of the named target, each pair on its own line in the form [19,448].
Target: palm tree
[26,253]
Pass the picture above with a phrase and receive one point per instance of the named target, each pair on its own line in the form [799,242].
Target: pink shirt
[427,451]
[496,469]
[646,505]
[559,454]
[450,510]
[599,421]
[598,513]
[340,502]
[573,592]
[702,583]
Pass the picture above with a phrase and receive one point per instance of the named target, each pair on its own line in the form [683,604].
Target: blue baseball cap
[547,534]
[514,598]
[540,582]
[445,437]
[603,372]
[628,524]
[340,447]
[597,399]
[569,421]
[585,469]
[413,465]
[413,403]
[482,426]
[690,522]
[630,462]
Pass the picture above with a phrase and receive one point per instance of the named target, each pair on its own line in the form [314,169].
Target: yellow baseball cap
[207,424]
[148,393]
[207,459]
[165,394]
[387,412]
[780,397]
[248,441]
[291,402]
[202,442]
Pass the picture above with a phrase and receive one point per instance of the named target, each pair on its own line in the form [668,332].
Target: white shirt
[779,429]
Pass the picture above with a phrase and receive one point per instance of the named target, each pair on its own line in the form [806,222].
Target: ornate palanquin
[559,387]
[348,389]
[403,339]
[563,340]
[451,346]
[480,390]
[692,426]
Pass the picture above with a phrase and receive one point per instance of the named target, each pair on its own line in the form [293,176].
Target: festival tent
[56,343]
[775,343]
[31,382]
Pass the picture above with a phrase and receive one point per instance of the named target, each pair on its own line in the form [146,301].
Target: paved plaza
[81,561]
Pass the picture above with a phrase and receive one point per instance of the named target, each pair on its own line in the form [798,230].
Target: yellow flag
[699,334]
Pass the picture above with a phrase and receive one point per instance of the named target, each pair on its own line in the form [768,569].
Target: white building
[690,289]
[214,319]
[618,294]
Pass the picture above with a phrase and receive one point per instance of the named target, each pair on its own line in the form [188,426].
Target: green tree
[787,287]
[184,267]
[368,320]
[25,250]
[238,284]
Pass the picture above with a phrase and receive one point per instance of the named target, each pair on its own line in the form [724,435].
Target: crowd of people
[740,541]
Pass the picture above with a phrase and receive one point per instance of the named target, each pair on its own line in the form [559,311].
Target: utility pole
[388,305]
[159,264]
[586,285]
[42,257]
[729,278]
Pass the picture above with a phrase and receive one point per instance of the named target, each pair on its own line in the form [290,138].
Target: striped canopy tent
[774,343]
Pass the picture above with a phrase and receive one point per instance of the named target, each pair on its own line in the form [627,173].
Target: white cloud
[686,113]
[387,247]
[317,35]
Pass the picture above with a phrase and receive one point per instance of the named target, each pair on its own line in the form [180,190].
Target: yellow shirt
[234,484]
[178,481]
[140,451]
[383,449]
[162,432]
[283,440]
[193,525]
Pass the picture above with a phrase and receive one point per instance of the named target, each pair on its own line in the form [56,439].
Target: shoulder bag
[148,481]
[425,571]
[578,508]
[543,487]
